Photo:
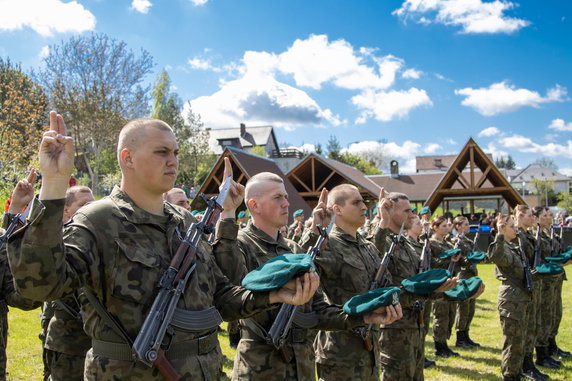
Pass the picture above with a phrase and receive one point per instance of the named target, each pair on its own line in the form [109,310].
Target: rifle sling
[109,320]
[67,309]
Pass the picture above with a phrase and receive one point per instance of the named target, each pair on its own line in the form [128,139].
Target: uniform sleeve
[497,253]
[331,317]
[436,250]
[228,253]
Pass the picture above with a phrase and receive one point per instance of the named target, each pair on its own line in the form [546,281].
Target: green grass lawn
[25,363]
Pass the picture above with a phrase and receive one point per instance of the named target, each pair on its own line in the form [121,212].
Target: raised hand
[56,159]
[383,208]
[384,315]
[23,193]
[322,215]
[298,291]
[236,194]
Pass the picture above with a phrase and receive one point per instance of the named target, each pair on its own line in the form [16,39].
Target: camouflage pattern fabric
[428,304]
[465,308]
[513,304]
[255,358]
[64,367]
[347,267]
[532,324]
[119,251]
[45,317]
[443,310]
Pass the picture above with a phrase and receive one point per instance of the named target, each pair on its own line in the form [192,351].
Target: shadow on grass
[468,373]
[227,363]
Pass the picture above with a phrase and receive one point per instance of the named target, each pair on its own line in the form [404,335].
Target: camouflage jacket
[258,359]
[509,269]
[119,251]
[468,269]
[347,268]
[64,331]
[405,264]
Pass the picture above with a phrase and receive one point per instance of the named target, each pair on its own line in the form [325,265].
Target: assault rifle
[148,347]
[382,279]
[556,242]
[453,265]
[16,222]
[287,313]
[425,255]
[528,283]
[475,247]
[537,249]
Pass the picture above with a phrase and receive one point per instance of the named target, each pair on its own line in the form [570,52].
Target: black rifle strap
[106,317]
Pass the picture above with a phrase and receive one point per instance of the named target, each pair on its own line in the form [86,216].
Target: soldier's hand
[56,159]
[384,315]
[322,215]
[298,231]
[479,292]
[23,193]
[383,208]
[501,224]
[298,291]
[449,284]
[235,194]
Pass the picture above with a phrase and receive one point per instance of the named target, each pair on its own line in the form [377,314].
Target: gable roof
[535,171]
[315,172]
[244,166]
[253,136]
[490,182]
[417,187]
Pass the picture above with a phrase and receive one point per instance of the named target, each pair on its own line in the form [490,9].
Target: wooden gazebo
[473,176]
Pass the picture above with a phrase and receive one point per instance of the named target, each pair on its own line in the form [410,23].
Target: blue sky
[405,78]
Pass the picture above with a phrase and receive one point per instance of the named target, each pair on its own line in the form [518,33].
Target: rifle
[381,279]
[16,222]
[286,315]
[476,241]
[148,346]
[528,283]
[425,255]
[453,265]
[537,252]
[556,244]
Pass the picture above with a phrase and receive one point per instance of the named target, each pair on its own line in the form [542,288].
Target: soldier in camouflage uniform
[443,310]
[267,201]
[21,196]
[402,342]
[296,228]
[465,308]
[347,268]
[66,343]
[514,300]
[526,242]
[117,249]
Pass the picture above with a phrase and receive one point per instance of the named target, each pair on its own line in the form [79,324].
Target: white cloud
[502,97]
[389,105]
[560,125]
[412,74]
[472,16]
[141,6]
[451,141]
[495,151]
[199,2]
[307,147]
[45,17]
[404,154]
[524,144]
[490,131]
[565,171]
[432,148]
[202,64]
[44,52]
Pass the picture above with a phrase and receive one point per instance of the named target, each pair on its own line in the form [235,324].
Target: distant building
[522,179]
[244,138]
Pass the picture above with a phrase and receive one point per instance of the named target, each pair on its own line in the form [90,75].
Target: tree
[360,162]
[565,201]
[546,162]
[167,106]
[507,163]
[95,81]
[333,148]
[259,150]
[23,113]
[544,189]
[319,150]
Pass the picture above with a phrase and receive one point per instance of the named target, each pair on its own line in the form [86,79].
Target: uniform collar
[137,215]
[262,236]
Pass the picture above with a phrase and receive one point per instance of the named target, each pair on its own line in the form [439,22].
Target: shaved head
[339,194]
[135,132]
[254,186]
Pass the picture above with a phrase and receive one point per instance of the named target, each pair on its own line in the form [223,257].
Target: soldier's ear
[251,203]
[126,159]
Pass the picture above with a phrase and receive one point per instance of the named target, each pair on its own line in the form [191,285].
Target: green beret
[241,214]
[276,272]
[549,269]
[413,209]
[465,289]
[425,210]
[449,253]
[372,300]
[299,212]
[476,256]
[561,258]
[195,212]
[426,282]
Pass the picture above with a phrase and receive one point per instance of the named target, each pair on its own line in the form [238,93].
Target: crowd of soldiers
[96,267]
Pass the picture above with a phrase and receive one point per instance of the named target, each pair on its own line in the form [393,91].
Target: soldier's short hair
[72,191]
[537,210]
[167,195]
[437,220]
[396,196]
[459,220]
[251,190]
[520,210]
[339,194]
[134,132]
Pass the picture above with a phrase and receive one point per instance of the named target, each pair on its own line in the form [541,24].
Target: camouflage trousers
[402,354]
[546,311]
[557,308]
[532,323]
[427,307]
[465,314]
[64,367]
[3,342]
[443,319]
[513,320]
[347,373]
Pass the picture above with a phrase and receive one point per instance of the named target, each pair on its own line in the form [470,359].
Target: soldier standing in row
[118,248]
[256,359]
[177,196]
[296,228]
